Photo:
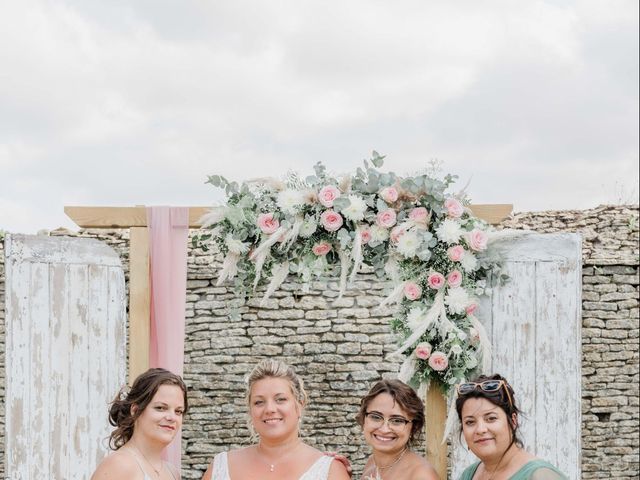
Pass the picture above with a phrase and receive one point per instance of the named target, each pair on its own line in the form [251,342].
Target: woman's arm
[338,471]
[207,474]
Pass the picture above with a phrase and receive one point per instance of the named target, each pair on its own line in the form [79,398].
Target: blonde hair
[269,368]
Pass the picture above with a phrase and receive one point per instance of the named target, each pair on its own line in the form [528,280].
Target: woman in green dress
[489,417]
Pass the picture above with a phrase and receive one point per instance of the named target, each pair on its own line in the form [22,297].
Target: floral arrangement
[409,230]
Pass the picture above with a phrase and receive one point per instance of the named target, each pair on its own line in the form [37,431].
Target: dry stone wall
[339,347]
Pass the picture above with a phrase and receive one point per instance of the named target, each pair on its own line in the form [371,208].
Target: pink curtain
[168,237]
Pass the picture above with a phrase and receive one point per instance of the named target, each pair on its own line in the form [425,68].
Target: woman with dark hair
[392,416]
[488,413]
[147,418]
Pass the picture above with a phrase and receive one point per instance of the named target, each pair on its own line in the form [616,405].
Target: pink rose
[456,253]
[454,279]
[412,291]
[386,218]
[436,280]
[389,194]
[321,248]
[477,240]
[453,207]
[423,350]
[396,233]
[327,195]
[419,215]
[365,235]
[331,221]
[471,308]
[267,223]
[438,361]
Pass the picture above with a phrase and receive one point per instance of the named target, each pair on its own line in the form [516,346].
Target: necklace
[387,467]
[272,466]
[156,470]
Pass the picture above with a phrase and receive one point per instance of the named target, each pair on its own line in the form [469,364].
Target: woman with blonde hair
[147,418]
[276,400]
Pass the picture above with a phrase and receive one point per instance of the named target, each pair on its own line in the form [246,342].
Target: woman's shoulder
[116,466]
[468,472]
[420,468]
[539,469]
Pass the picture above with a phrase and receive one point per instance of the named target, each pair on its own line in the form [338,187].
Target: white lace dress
[318,471]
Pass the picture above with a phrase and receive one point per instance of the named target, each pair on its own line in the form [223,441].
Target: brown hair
[504,398]
[404,396]
[139,395]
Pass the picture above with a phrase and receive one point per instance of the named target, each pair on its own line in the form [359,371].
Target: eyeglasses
[395,423]
[488,386]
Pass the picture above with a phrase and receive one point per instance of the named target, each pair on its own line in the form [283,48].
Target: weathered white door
[534,325]
[65,354]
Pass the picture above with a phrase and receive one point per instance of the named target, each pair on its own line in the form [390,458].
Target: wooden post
[435,418]
[139,302]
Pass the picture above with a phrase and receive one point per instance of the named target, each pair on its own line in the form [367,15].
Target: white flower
[415,317]
[378,234]
[308,227]
[408,244]
[449,231]
[469,262]
[457,300]
[456,349]
[289,200]
[355,210]
[235,246]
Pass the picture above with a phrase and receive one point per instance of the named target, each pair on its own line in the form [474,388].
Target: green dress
[533,470]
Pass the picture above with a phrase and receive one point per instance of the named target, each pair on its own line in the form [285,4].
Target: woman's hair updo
[123,416]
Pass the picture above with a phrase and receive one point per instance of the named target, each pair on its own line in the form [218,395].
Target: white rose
[289,200]
[457,300]
[378,234]
[469,262]
[449,231]
[355,210]
[308,227]
[408,244]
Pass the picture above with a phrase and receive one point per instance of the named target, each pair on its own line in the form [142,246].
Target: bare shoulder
[338,471]
[421,469]
[174,471]
[240,454]
[116,466]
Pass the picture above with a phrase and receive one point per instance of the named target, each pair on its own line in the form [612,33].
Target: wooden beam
[125,217]
[435,419]
[139,302]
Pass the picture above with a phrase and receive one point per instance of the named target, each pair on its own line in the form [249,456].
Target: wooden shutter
[534,325]
[65,353]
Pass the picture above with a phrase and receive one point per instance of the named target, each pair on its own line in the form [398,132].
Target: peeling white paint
[65,353]
[534,324]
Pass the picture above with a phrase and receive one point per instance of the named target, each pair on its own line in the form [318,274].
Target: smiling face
[485,428]
[382,437]
[162,417]
[273,408]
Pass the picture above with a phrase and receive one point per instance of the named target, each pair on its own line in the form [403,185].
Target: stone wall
[339,347]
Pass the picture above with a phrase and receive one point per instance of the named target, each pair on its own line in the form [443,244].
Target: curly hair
[123,416]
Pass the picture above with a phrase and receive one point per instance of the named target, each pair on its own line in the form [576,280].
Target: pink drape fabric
[168,237]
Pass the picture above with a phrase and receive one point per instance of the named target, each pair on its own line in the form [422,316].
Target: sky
[122,103]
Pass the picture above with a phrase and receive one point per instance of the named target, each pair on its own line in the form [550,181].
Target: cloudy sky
[117,103]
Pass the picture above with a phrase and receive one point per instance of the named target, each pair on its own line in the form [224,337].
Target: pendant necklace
[272,466]
[156,470]
[395,462]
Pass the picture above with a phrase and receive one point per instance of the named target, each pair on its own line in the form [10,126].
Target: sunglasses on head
[488,386]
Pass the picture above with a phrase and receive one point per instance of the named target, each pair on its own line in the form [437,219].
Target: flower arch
[407,229]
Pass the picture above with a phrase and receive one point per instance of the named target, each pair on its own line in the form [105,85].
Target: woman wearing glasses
[489,416]
[275,398]
[391,416]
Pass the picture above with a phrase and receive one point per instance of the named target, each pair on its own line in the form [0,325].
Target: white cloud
[107,103]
